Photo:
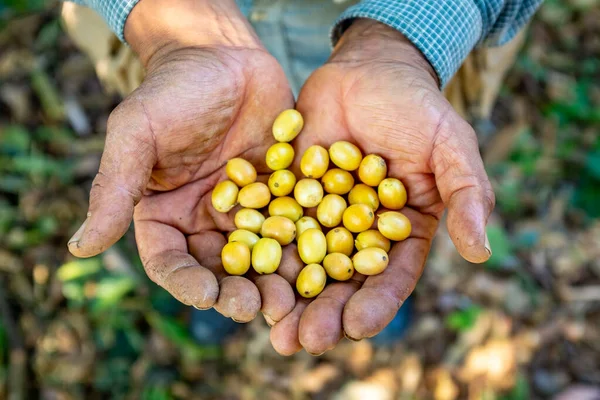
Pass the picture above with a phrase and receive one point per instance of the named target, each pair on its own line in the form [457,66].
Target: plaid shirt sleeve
[114,12]
[445,30]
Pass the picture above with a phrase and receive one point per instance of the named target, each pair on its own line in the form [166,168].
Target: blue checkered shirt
[444,30]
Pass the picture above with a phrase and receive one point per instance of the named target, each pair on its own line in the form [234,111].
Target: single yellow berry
[372,170]
[282,182]
[314,162]
[370,261]
[358,218]
[392,194]
[225,196]
[345,155]
[311,281]
[235,258]
[394,225]
[240,171]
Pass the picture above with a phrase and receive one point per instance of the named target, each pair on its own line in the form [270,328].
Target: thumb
[464,187]
[124,173]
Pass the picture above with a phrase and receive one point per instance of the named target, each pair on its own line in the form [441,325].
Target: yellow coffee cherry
[255,195]
[337,181]
[305,223]
[282,182]
[280,156]
[372,170]
[338,266]
[345,155]
[312,246]
[240,171]
[372,238]
[363,194]
[235,258]
[225,196]
[286,207]
[314,162]
[266,256]
[370,261]
[394,225]
[243,236]
[392,194]
[331,209]
[308,192]
[287,125]
[279,228]
[311,281]
[340,240]
[358,218]
[249,219]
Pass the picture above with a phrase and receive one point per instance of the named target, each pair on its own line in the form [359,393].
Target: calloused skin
[166,148]
[378,92]
[211,97]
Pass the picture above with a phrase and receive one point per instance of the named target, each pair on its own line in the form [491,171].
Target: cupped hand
[379,92]
[204,100]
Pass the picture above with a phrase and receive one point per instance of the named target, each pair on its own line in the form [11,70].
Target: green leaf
[48,35]
[78,268]
[111,290]
[74,291]
[156,393]
[587,194]
[500,244]
[179,334]
[464,319]
[14,139]
[48,94]
[520,391]
[592,163]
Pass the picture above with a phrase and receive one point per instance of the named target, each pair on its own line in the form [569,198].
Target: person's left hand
[379,92]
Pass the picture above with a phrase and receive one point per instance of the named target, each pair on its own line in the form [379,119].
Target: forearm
[155,25]
[445,31]
[150,26]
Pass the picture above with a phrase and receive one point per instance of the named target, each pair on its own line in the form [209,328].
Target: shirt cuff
[445,31]
[114,12]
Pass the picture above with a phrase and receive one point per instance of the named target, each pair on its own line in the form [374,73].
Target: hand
[211,93]
[379,92]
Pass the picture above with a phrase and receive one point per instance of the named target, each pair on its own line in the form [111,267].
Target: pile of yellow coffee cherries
[343,209]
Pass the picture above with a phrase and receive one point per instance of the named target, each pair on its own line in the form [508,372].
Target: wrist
[159,26]
[368,40]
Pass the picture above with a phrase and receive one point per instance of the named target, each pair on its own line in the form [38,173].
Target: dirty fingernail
[488,248]
[269,320]
[351,338]
[77,236]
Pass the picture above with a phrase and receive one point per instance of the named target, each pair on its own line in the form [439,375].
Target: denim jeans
[295,32]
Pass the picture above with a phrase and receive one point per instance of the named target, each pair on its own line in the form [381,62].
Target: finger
[125,168]
[291,264]
[284,335]
[321,322]
[277,295]
[163,251]
[464,187]
[371,308]
[239,298]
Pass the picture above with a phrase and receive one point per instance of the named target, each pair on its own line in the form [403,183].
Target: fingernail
[488,248]
[201,309]
[351,338]
[269,320]
[315,354]
[77,236]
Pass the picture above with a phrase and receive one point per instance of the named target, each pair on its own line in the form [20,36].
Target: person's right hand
[210,94]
